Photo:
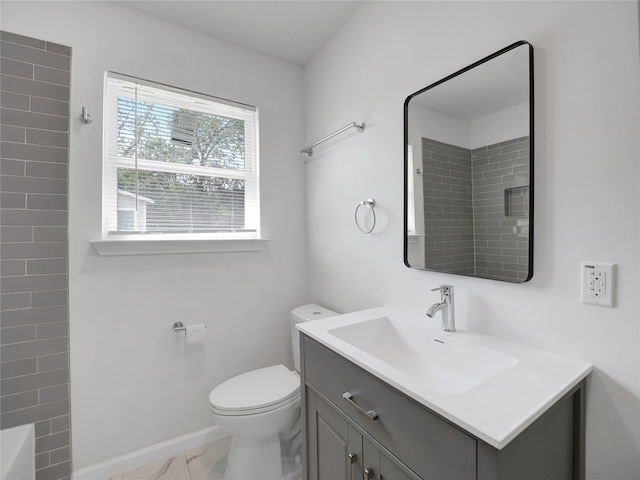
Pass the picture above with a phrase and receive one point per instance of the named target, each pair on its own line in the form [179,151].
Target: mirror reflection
[469,170]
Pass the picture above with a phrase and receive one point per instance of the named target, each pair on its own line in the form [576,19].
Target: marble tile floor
[203,463]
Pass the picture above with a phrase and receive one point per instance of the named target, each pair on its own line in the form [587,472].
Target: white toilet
[261,409]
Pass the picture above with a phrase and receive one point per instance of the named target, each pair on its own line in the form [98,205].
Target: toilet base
[265,464]
[254,458]
[292,468]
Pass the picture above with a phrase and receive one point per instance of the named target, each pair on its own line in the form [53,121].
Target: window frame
[134,242]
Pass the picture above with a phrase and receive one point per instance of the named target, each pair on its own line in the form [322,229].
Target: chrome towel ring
[369,203]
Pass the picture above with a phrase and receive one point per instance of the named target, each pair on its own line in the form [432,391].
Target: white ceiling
[292,30]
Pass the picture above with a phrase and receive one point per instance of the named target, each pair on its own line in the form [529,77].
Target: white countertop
[496,410]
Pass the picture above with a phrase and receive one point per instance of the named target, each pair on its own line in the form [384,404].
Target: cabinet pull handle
[352,458]
[368,473]
[349,398]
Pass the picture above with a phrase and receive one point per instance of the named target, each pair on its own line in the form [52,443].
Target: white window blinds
[178,162]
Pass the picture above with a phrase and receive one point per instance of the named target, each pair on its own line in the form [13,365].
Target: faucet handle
[444,289]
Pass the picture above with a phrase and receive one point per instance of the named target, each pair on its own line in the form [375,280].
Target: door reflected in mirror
[469,170]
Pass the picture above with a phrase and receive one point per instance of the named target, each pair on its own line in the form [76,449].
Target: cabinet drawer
[432,447]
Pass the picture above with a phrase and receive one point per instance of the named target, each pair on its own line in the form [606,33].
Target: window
[177,164]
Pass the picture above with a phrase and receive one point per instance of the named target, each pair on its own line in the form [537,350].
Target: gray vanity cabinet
[407,436]
[390,436]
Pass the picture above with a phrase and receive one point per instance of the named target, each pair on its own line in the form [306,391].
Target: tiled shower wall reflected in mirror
[476,204]
[34,246]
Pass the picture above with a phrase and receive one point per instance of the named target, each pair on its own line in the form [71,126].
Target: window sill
[106,248]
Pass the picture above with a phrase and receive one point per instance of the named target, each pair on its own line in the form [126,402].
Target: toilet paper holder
[181,327]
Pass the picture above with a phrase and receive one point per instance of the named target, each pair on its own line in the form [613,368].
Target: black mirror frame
[531,151]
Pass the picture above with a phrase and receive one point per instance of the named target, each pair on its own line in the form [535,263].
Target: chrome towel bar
[309,150]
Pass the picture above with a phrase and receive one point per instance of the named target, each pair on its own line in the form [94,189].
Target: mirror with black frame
[468,142]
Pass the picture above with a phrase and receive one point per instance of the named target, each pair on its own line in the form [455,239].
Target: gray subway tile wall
[476,204]
[34,319]
[448,207]
[501,209]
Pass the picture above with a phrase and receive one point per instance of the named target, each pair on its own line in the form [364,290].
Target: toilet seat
[257,391]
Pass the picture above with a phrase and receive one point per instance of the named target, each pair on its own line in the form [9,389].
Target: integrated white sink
[448,365]
[489,386]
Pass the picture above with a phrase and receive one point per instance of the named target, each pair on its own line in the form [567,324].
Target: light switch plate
[597,283]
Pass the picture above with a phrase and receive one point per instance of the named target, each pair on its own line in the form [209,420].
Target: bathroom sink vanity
[367,418]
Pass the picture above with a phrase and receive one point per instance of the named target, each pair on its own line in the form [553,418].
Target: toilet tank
[305,313]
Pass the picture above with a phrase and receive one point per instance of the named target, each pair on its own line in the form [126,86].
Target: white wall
[501,126]
[132,384]
[438,126]
[498,127]
[586,206]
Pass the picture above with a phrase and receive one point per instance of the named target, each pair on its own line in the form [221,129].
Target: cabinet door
[334,447]
[378,466]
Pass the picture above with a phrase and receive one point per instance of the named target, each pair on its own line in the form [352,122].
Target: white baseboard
[153,453]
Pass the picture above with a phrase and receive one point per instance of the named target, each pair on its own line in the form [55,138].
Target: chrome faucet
[446,305]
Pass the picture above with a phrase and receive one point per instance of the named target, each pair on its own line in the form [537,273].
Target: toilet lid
[256,390]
